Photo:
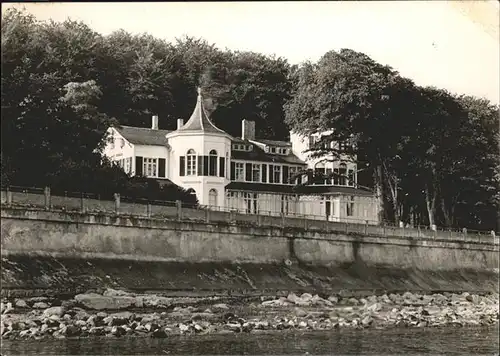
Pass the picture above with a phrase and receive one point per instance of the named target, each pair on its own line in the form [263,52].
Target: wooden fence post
[9,197]
[46,193]
[117,203]
[178,204]
[82,203]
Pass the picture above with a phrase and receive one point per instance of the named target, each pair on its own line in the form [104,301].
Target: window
[251,203]
[273,149]
[242,147]
[128,165]
[328,208]
[149,166]
[212,197]
[329,176]
[350,207]
[350,178]
[191,163]
[342,174]
[212,170]
[285,206]
[319,171]
[277,174]
[292,171]
[256,172]
[239,171]
[344,146]
[336,176]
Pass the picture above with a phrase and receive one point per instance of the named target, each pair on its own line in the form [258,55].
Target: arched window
[319,171]
[342,174]
[212,164]
[212,198]
[191,163]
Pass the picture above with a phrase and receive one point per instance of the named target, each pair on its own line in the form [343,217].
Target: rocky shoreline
[115,313]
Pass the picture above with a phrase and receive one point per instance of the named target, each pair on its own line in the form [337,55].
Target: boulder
[220,306]
[236,327]
[118,319]
[292,298]
[159,334]
[115,293]
[268,303]
[333,299]
[306,297]
[7,308]
[40,305]
[117,331]
[100,302]
[375,307]
[198,327]
[69,303]
[353,301]
[154,301]
[300,312]
[20,303]
[70,330]
[367,321]
[59,311]
[474,298]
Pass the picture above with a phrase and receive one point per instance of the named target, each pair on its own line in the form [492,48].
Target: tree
[355,99]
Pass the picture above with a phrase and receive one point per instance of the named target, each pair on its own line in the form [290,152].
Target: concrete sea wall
[55,252]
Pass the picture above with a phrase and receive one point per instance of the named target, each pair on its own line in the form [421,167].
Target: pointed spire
[199,120]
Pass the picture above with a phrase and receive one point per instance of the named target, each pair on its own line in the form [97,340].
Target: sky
[447,44]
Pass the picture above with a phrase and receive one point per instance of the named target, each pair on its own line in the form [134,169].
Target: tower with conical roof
[200,156]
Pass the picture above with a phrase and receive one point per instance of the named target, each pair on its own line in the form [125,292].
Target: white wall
[152,152]
[120,149]
[300,144]
[202,145]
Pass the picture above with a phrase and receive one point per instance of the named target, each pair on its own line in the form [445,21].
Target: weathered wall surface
[43,249]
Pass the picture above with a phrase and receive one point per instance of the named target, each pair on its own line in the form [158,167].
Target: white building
[246,174]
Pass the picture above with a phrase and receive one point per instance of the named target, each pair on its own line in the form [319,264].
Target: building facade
[244,174]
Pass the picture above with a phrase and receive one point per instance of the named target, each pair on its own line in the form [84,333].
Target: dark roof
[261,187]
[199,121]
[274,143]
[259,155]
[143,136]
[332,190]
[292,189]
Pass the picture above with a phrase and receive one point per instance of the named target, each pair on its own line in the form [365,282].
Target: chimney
[248,130]
[180,123]
[154,122]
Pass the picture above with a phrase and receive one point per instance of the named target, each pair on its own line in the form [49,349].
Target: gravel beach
[114,313]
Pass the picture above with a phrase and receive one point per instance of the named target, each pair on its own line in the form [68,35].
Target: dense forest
[432,156]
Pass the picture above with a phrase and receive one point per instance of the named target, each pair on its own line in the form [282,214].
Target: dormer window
[242,147]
